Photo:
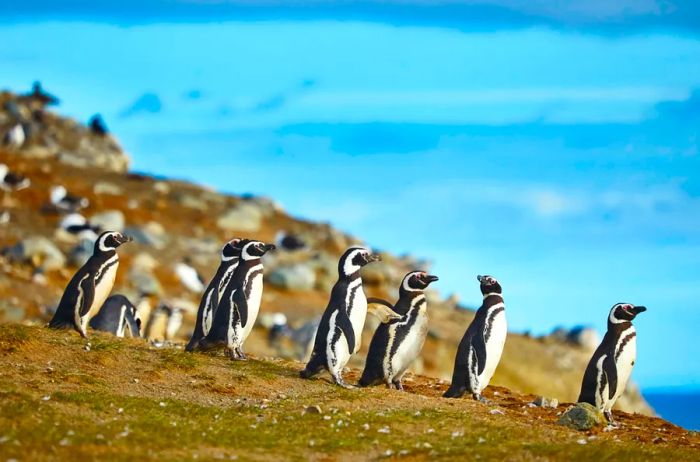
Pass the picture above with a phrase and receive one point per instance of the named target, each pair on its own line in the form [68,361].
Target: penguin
[97,125]
[397,343]
[65,202]
[117,316]
[42,97]
[289,242]
[301,339]
[610,367]
[239,304]
[481,347]
[10,181]
[77,225]
[90,286]
[15,136]
[230,255]
[338,334]
[189,276]
[164,323]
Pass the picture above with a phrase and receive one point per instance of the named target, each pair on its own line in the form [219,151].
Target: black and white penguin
[339,333]
[230,255]
[397,343]
[300,339]
[90,286]
[164,323]
[65,202]
[240,301]
[117,316]
[10,181]
[189,276]
[610,367]
[480,350]
[289,242]
[15,136]
[77,225]
[97,125]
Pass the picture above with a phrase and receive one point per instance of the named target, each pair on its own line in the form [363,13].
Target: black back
[109,318]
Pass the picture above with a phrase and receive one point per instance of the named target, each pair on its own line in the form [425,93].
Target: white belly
[337,353]
[358,314]
[103,290]
[625,364]
[256,290]
[410,347]
[494,348]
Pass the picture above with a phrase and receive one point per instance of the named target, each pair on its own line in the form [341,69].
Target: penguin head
[354,259]
[110,240]
[417,280]
[252,250]
[624,312]
[489,285]
[231,250]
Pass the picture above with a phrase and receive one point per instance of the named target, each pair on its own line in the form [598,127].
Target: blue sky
[555,148]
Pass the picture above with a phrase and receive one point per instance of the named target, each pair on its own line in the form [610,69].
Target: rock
[313,410]
[542,401]
[109,220]
[585,337]
[244,217]
[39,251]
[190,201]
[151,234]
[265,205]
[104,187]
[295,277]
[144,261]
[379,274]
[145,282]
[161,187]
[81,252]
[582,416]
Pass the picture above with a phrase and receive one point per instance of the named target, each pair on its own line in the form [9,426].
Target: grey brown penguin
[339,334]
[230,255]
[398,342]
[610,367]
[480,350]
[90,286]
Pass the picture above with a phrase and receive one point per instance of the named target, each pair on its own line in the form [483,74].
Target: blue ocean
[679,407]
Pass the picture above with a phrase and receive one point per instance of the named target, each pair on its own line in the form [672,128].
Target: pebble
[582,441]
[496,412]
[384,430]
[313,410]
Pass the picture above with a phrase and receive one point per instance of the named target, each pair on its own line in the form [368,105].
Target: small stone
[161,404]
[582,441]
[64,442]
[543,401]
[582,416]
[481,440]
[384,430]
[496,412]
[315,409]
[46,398]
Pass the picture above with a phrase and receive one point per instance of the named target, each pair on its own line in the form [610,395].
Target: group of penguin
[230,304]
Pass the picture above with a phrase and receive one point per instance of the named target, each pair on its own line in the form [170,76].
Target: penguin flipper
[87,295]
[380,301]
[345,326]
[241,306]
[479,346]
[610,369]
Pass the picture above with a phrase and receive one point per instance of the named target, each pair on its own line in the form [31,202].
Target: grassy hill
[126,400]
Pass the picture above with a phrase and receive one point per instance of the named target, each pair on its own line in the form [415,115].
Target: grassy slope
[124,400]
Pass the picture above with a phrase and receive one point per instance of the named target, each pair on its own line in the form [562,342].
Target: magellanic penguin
[240,301]
[338,334]
[90,286]
[397,343]
[480,350]
[117,316]
[610,367]
[230,255]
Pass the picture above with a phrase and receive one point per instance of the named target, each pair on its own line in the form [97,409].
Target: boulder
[151,234]
[80,254]
[40,252]
[585,337]
[294,277]
[104,187]
[244,217]
[582,416]
[109,220]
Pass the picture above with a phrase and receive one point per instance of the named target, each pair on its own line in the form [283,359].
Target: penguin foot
[454,392]
[340,382]
[398,385]
[478,397]
[609,417]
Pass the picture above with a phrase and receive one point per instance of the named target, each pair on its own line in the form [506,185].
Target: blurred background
[553,145]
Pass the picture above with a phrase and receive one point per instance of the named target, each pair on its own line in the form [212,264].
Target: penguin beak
[431,278]
[639,309]
[124,239]
[478,278]
[269,247]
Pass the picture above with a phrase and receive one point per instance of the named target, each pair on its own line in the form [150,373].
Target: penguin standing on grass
[338,334]
[90,286]
[610,367]
[397,343]
[118,317]
[239,304]
[480,350]
[230,255]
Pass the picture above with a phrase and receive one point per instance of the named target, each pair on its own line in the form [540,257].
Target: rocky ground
[125,400]
[171,220]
